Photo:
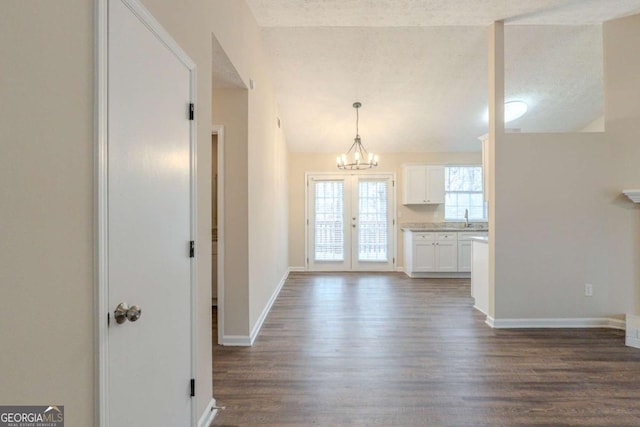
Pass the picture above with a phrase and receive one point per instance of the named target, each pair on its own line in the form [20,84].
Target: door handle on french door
[123,313]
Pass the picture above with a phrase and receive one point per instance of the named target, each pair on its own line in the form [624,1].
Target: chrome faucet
[466,218]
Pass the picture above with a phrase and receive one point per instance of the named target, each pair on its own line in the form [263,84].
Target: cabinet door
[424,255]
[435,181]
[415,185]
[464,256]
[447,256]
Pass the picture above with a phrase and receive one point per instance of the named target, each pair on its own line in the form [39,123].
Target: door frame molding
[219,131]
[101,201]
[307,175]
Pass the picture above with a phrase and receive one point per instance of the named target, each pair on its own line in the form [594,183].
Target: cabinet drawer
[421,237]
[467,235]
[444,237]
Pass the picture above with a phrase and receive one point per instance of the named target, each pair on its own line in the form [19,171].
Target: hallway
[370,349]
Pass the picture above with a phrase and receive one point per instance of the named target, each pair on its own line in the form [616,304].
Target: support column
[496,138]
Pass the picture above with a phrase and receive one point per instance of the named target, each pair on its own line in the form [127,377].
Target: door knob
[123,313]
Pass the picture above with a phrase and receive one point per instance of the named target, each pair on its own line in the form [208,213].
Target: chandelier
[357,156]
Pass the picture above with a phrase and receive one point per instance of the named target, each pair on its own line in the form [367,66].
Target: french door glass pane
[329,221]
[372,221]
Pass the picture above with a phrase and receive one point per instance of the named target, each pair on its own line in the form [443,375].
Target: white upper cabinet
[423,184]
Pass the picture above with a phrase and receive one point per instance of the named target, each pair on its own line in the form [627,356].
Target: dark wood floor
[386,350]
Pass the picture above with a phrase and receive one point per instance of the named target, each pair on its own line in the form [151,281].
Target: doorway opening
[217,228]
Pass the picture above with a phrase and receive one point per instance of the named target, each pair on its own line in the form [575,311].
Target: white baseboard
[489,321]
[482,311]
[400,269]
[588,322]
[236,340]
[632,342]
[247,340]
[208,415]
[297,269]
[256,328]
[439,275]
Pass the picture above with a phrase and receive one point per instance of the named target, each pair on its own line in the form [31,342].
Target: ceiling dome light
[514,110]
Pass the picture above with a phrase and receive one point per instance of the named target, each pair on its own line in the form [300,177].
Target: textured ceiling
[429,13]
[420,68]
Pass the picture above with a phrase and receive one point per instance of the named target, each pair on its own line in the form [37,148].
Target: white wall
[301,163]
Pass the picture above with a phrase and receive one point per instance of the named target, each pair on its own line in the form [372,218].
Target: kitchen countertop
[445,226]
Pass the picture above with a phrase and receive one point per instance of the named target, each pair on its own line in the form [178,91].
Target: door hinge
[191,111]
[307,260]
[394,222]
[307,222]
[192,249]
[193,387]
[394,261]
[393,183]
[108,319]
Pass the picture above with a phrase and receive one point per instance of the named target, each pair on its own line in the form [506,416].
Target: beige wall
[595,126]
[191,28]
[46,206]
[561,220]
[255,256]
[301,163]
[262,218]
[554,207]
[230,110]
[622,123]
[46,171]
[267,169]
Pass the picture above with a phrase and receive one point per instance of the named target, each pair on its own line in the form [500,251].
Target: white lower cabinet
[438,252]
[427,252]
[447,252]
[464,255]
[424,252]
[464,248]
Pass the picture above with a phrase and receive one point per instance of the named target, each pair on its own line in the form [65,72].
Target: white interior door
[149,223]
[350,225]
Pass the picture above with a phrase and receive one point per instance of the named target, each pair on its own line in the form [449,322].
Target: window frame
[485,212]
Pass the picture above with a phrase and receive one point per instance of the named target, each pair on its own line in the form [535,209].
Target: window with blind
[463,191]
[329,221]
[372,218]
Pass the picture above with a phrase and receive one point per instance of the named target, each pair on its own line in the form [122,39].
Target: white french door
[350,222]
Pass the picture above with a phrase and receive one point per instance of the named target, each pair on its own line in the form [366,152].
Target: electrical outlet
[588,290]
